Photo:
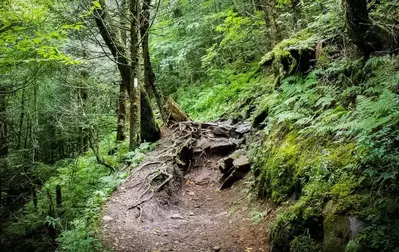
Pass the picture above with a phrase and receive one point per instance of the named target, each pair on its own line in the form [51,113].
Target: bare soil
[190,214]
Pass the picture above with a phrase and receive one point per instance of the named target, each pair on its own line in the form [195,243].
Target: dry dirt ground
[190,214]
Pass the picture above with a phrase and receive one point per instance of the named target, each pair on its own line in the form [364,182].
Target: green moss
[304,243]
[282,57]
[278,173]
[294,220]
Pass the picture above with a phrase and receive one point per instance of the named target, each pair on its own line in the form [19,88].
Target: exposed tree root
[176,159]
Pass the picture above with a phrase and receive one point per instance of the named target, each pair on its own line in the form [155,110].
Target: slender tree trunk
[121,128]
[83,97]
[150,131]
[3,138]
[122,99]
[21,119]
[34,140]
[135,103]
[296,9]
[269,8]
[58,196]
[149,75]
[360,27]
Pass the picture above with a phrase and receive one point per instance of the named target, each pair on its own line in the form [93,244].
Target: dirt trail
[189,214]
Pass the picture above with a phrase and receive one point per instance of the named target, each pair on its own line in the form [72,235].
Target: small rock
[242,164]
[216,248]
[107,218]
[243,128]
[192,214]
[177,217]
[203,144]
[221,131]
[191,193]
[222,148]
[227,163]
[222,167]
[239,142]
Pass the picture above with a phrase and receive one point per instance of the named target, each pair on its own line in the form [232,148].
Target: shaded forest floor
[190,213]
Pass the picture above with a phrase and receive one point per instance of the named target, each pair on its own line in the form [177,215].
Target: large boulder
[338,229]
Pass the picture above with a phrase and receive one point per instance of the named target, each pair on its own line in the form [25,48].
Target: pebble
[107,218]
[216,248]
[177,217]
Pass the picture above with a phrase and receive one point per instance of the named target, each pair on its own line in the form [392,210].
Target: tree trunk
[296,9]
[121,127]
[360,27]
[175,112]
[83,97]
[150,131]
[3,138]
[21,119]
[149,75]
[58,196]
[269,8]
[135,103]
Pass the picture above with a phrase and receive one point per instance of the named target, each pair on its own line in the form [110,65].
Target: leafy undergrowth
[85,186]
[327,146]
[219,93]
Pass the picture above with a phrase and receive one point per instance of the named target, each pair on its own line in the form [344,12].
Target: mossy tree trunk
[3,137]
[360,26]
[150,131]
[135,97]
[149,75]
[121,127]
[269,8]
[296,9]
[123,93]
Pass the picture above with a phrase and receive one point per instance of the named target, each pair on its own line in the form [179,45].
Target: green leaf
[97,4]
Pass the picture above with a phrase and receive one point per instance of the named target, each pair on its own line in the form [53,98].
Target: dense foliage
[322,97]
[325,118]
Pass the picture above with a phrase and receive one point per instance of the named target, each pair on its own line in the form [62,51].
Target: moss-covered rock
[338,229]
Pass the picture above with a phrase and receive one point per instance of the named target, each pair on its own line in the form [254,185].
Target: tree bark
[122,99]
[150,131]
[58,196]
[135,97]
[3,137]
[360,27]
[269,8]
[175,112]
[83,97]
[21,119]
[121,127]
[296,9]
[149,75]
